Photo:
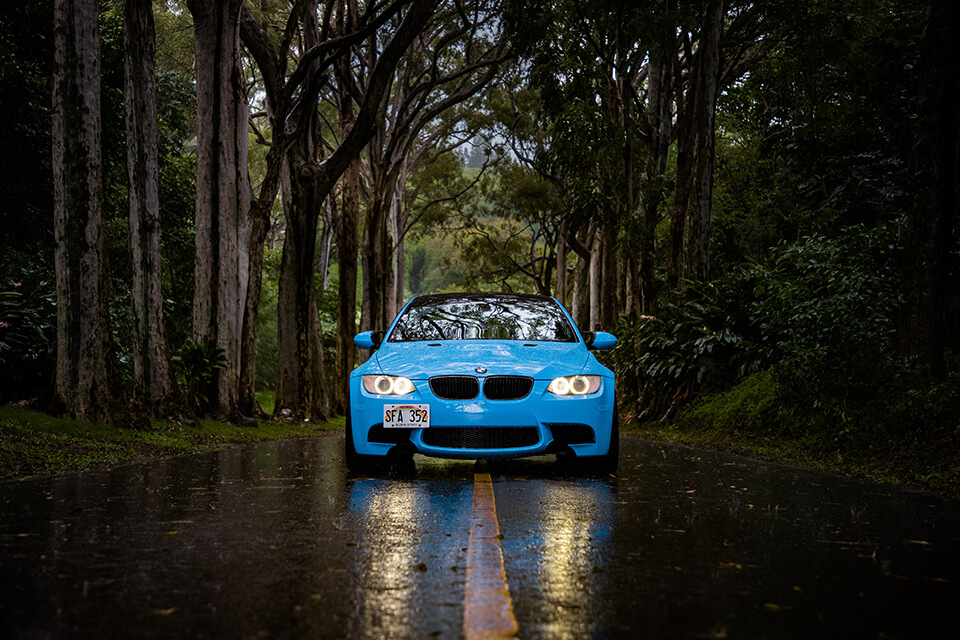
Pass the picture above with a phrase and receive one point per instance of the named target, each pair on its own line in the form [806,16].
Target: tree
[348,223]
[450,63]
[933,214]
[693,195]
[87,385]
[223,196]
[292,96]
[154,387]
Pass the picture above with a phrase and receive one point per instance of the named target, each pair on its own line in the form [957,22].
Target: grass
[927,464]
[36,444]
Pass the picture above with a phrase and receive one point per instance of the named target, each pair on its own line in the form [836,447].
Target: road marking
[488,610]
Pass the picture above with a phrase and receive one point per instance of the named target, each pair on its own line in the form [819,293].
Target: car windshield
[483,318]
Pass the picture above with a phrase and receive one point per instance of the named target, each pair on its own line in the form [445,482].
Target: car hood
[540,360]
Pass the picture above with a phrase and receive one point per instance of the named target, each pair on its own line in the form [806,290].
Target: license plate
[406,416]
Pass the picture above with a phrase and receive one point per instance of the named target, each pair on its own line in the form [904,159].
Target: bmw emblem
[481,370]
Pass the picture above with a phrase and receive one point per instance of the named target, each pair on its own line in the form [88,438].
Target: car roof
[478,296]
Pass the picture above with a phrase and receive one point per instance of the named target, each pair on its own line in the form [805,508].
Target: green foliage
[26,55]
[821,310]
[28,319]
[700,344]
[818,136]
[196,366]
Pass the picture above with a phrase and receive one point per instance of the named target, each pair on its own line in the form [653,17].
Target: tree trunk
[596,279]
[293,321]
[930,232]
[609,280]
[347,231]
[659,114]
[223,196]
[330,223]
[87,386]
[302,389]
[693,188]
[398,223]
[154,386]
[697,241]
[348,248]
[376,265]
[690,233]
[560,293]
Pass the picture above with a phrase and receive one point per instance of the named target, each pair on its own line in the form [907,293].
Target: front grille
[507,387]
[455,387]
[481,437]
[572,433]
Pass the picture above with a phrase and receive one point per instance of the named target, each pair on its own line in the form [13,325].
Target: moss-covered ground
[929,464]
[36,444]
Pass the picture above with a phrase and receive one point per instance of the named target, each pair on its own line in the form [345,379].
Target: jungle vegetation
[202,200]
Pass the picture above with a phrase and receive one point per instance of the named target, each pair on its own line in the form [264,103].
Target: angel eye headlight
[574,385]
[388,385]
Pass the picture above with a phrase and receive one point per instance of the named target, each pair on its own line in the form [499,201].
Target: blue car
[482,376]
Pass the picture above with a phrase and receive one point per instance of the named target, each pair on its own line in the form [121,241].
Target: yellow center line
[488,611]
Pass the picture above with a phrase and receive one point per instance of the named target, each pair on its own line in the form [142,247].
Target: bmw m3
[482,376]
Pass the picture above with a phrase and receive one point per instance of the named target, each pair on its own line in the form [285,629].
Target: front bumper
[488,429]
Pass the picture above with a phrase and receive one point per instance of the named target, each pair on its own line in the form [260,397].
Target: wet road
[275,541]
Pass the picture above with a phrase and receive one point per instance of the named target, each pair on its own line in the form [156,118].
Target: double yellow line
[488,611]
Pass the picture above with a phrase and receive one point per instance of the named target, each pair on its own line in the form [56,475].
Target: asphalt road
[277,541]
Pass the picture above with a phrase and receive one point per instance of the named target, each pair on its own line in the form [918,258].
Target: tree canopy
[739,189]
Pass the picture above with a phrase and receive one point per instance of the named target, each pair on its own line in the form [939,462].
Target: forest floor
[35,444]
[929,464]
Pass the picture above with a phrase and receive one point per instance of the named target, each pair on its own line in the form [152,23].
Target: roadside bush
[195,366]
[705,343]
[28,329]
[821,310]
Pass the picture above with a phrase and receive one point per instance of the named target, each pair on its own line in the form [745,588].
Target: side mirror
[368,339]
[600,340]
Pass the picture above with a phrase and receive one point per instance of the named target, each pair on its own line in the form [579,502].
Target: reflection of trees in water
[512,319]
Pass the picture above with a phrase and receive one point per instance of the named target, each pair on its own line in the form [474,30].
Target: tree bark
[560,293]
[223,196]
[87,386]
[302,390]
[154,386]
[596,279]
[659,113]
[693,194]
[936,163]
[697,240]
[348,248]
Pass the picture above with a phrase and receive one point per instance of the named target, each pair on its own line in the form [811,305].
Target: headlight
[388,385]
[574,385]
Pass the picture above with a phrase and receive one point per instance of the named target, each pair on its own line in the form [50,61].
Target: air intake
[481,437]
